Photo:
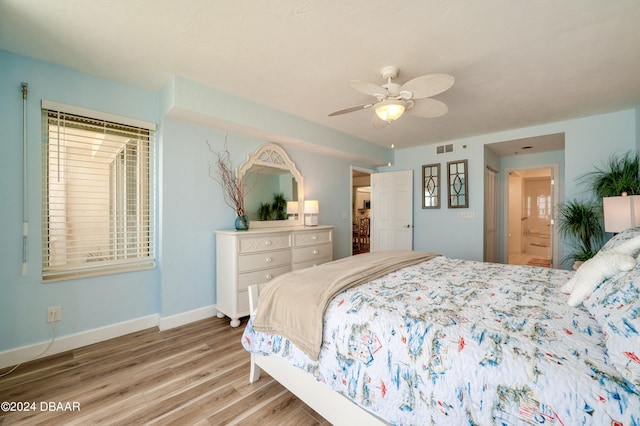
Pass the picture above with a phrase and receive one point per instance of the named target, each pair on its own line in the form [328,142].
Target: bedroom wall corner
[588,142]
[88,303]
[442,230]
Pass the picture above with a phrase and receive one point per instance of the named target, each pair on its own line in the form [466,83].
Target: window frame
[136,184]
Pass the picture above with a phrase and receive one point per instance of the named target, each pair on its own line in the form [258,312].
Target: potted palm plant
[621,175]
[581,222]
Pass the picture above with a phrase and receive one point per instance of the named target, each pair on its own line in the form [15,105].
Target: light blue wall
[86,303]
[441,230]
[327,179]
[589,142]
[195,102]
[322,156]
[190,205]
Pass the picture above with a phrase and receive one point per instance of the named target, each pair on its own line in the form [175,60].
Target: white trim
[183,318]
[333,406]
[85,112]
[555,200]
[73,341]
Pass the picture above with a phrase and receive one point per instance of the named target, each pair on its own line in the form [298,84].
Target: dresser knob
[269,260]
[268,277]
[268,242]
[315,237]
[316,252]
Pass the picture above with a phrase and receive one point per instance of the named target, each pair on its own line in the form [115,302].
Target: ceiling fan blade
[428,108]
[377,122]
[350,109]
[428,85]
[369,88]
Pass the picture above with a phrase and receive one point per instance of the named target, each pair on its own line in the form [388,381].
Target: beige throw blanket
[293,305]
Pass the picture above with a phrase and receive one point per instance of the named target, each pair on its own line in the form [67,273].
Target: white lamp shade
[292,207]
[390,110]
[311,206]
[621,213]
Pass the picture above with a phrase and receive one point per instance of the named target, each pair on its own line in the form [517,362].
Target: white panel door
[392,210]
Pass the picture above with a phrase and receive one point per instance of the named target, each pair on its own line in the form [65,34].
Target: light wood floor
[520,258]
[195,374]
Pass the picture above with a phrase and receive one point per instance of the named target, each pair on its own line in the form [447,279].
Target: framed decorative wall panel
[457,187]
[431,186]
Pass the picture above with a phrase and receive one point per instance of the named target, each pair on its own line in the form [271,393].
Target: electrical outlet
[53,313]
[466,215]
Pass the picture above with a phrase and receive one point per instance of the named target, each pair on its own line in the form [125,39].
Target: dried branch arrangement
[223,173]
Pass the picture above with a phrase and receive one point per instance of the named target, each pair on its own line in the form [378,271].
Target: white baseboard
[183,318]
[73,341]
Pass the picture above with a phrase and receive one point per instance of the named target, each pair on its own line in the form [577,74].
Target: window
[98,194]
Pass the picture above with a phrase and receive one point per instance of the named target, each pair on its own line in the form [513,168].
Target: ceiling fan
[393,99]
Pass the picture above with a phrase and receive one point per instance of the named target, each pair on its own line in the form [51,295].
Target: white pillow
[593,272]
[630,247]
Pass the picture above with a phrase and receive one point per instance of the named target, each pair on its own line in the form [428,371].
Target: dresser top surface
[274,230]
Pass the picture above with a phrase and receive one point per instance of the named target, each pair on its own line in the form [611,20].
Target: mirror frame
[458,184]
[431,179]
[272,155]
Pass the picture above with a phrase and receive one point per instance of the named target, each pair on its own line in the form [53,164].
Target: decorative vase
[242,222]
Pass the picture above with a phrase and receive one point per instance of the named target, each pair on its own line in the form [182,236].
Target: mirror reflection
[272,184]
[268,190]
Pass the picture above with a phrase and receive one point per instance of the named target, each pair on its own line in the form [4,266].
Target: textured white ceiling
[516,62]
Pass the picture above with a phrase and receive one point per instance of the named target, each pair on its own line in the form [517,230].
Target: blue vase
[242,222]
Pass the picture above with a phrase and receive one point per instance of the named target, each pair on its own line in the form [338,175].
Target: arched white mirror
[269,179]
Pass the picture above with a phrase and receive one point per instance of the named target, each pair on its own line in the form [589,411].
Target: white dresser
[244,258]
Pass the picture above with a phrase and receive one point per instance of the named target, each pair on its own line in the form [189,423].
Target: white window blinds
[98,196]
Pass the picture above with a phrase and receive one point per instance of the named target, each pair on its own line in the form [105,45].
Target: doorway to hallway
[360,210]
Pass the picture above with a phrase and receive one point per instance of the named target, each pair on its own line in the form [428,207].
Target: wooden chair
[362,235]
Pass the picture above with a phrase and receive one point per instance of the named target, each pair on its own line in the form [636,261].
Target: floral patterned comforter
[450,341]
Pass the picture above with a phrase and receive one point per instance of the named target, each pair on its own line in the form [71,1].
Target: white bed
[468,342]
[331,405]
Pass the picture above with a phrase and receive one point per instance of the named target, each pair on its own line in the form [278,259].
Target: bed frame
[331,405]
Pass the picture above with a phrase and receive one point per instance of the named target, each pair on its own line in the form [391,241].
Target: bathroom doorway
[530,217]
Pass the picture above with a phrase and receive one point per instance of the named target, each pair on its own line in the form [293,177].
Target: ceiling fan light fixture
[390,110]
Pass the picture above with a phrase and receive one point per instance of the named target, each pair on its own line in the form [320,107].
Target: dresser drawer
[268,259]
[260,243]
[311,263]
[259,277]
[256,256]
[307,238]
[311,253]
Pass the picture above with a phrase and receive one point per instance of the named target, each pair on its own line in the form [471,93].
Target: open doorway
[361,210]
[530,217]
[526,223]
